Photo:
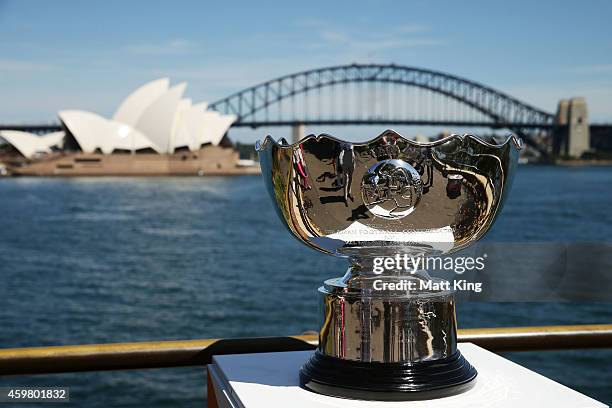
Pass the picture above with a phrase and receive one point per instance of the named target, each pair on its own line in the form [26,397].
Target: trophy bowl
[384,334]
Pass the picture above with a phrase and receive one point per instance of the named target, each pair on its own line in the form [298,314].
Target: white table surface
[271,380]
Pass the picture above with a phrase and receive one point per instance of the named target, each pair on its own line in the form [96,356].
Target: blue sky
[89,55]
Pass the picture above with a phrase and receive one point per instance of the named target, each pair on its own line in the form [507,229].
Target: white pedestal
[271,380]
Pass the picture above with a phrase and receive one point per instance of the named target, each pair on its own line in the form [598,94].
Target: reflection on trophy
[385,335]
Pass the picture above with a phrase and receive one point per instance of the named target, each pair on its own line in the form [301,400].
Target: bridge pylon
[571,132]
[297,132]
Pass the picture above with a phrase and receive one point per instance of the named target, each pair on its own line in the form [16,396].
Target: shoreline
[225,173]
[583,163]
[569,163]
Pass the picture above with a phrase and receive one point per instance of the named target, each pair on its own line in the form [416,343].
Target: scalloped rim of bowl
[282,143]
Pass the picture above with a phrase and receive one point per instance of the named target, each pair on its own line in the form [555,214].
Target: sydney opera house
[154,131]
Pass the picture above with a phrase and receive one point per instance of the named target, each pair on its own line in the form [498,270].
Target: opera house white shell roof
[154,116]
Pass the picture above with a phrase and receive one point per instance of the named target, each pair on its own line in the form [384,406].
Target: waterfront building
[154,131]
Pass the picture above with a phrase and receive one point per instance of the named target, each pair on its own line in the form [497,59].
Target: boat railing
[181,353]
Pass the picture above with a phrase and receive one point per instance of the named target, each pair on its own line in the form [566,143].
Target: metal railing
[163,354]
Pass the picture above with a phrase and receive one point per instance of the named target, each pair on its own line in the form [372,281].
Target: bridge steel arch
[503,110]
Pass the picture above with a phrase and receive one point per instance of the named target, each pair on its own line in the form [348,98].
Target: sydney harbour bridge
[395,95]
[386,95]
[382,95]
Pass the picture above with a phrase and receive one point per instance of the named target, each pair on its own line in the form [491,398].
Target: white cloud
[310,23]
[356,44]
[359,43]
[593,69]
[18,65]
[220,78]
[170,47]
[412,28]
[598,97]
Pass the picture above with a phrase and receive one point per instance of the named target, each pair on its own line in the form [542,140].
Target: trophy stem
[387,344]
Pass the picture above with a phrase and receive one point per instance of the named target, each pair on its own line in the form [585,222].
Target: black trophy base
[387,381]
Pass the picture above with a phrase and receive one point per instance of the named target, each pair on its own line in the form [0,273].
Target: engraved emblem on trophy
[384,335]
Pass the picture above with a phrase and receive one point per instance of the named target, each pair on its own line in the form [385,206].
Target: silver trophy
[389,329]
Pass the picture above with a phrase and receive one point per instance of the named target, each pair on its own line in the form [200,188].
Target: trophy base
[387,381]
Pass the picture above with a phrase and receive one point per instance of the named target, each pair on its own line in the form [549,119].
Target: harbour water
[132,259]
